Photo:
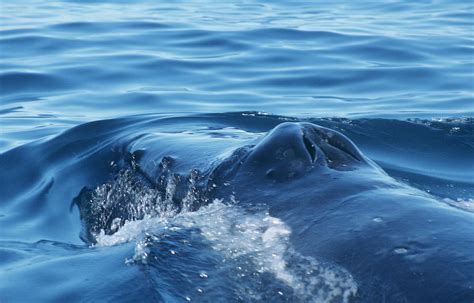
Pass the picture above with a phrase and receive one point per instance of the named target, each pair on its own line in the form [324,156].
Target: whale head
[294,149]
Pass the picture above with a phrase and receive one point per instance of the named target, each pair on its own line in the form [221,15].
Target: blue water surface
[396,77]
[64,63]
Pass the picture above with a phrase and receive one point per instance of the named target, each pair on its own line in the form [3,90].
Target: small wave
[26,81]
[30,45]
[295,34]
[87,27]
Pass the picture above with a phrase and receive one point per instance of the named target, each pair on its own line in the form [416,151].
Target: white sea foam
[260,239]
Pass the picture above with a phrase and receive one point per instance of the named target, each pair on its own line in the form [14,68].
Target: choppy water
[396,77]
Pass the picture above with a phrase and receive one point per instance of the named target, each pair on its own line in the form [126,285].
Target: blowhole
[310,147]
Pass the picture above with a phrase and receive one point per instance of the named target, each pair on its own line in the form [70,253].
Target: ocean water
[89,90]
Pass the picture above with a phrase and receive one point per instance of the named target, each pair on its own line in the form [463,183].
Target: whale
[396,242]
[400,244]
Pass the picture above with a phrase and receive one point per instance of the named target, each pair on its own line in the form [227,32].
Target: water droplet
[203,275]
[129,261]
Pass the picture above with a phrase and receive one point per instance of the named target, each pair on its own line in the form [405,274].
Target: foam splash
[255,242]
[128,199]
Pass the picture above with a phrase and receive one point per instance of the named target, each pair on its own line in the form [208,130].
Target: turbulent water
[86,85]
